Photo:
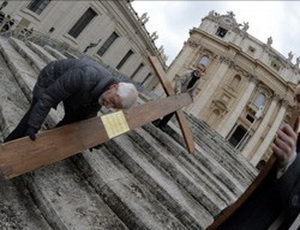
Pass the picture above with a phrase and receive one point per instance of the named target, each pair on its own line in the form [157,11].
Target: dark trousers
[164,121]
[71,115]
[20,130]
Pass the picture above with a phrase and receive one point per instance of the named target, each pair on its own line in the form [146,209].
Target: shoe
[156,122]
[163,128]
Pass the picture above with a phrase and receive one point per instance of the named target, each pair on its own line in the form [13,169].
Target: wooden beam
[23,155]
[183,124]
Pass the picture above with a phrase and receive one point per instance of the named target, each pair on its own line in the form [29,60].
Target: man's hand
[31,133]
[284,146]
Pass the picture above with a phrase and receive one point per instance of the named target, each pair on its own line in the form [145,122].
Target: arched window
[235,81]
[204,60]
[260,100]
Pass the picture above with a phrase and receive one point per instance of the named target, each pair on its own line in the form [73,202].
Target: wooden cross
[183,124]
[23,155]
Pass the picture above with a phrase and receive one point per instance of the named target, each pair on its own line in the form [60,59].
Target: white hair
[128,94]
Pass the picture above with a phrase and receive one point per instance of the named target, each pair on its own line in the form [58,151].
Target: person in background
[184,83]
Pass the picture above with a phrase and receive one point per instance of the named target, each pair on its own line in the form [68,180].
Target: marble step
[203,157]
[55,53]
[29,55]
[166,188]
[68,201]
[41,52]
[132,201]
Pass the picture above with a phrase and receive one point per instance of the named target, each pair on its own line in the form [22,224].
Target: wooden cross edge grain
[183,124]
[24,155]
[254,185]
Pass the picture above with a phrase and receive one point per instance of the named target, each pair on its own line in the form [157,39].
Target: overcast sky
[173,19]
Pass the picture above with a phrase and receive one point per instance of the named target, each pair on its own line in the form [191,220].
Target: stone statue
[144,18]
[297,62]
[246,26]
[154,36]
[270,41]
[230,14]
[291,55]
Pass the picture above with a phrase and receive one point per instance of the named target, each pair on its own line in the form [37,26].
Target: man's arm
[66,85]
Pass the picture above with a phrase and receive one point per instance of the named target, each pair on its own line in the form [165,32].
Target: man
[82,85]
[185,83]
[276,203]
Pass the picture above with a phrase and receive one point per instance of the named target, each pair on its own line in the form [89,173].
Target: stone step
[18,210]
[135,205]
[67,200]
[30,56]
[199,172]
[228,157]
[58,55]
[165,187]
[204,158]
[41,52]
[195,167]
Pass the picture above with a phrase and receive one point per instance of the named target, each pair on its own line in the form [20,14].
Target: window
[237,136]
[146,78]
[204,61]
[250,118]
[107,44]
[260,100]
[275,65]
[37,6]
[137,70]
[125,58]
[221,32]
[83,21]
[251,49]
[235,82]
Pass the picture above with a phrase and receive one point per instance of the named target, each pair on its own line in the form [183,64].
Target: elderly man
[82,85]
[184,83]
[276,203]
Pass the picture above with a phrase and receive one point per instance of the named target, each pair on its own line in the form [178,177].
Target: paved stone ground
[144,179]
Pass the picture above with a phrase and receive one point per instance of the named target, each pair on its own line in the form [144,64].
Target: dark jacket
[269,200]
[76,82]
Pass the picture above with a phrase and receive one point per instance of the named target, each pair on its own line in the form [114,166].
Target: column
[260,130]
[229,123]
[269,137]
[211,87]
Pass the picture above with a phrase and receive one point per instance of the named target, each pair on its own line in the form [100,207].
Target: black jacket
[269,200]
[76,82]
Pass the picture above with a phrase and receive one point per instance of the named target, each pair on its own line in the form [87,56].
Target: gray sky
[173,19]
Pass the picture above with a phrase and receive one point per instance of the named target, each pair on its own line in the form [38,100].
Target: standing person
[82,85]
[276,202]
[184,83]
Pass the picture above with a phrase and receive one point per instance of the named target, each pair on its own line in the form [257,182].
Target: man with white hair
[82,85]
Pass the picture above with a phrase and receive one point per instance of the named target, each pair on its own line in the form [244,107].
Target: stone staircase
[144,179]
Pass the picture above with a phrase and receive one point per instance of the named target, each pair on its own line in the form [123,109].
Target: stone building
[110,31]
[247,90]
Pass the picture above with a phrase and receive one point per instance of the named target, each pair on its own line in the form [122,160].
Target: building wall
[58,17]
[241,72]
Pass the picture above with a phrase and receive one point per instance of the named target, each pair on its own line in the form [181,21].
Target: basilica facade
[247,90]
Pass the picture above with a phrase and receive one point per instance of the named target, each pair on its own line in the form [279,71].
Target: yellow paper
[115,124]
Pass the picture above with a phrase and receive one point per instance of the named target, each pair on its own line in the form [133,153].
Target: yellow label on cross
[115,123]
